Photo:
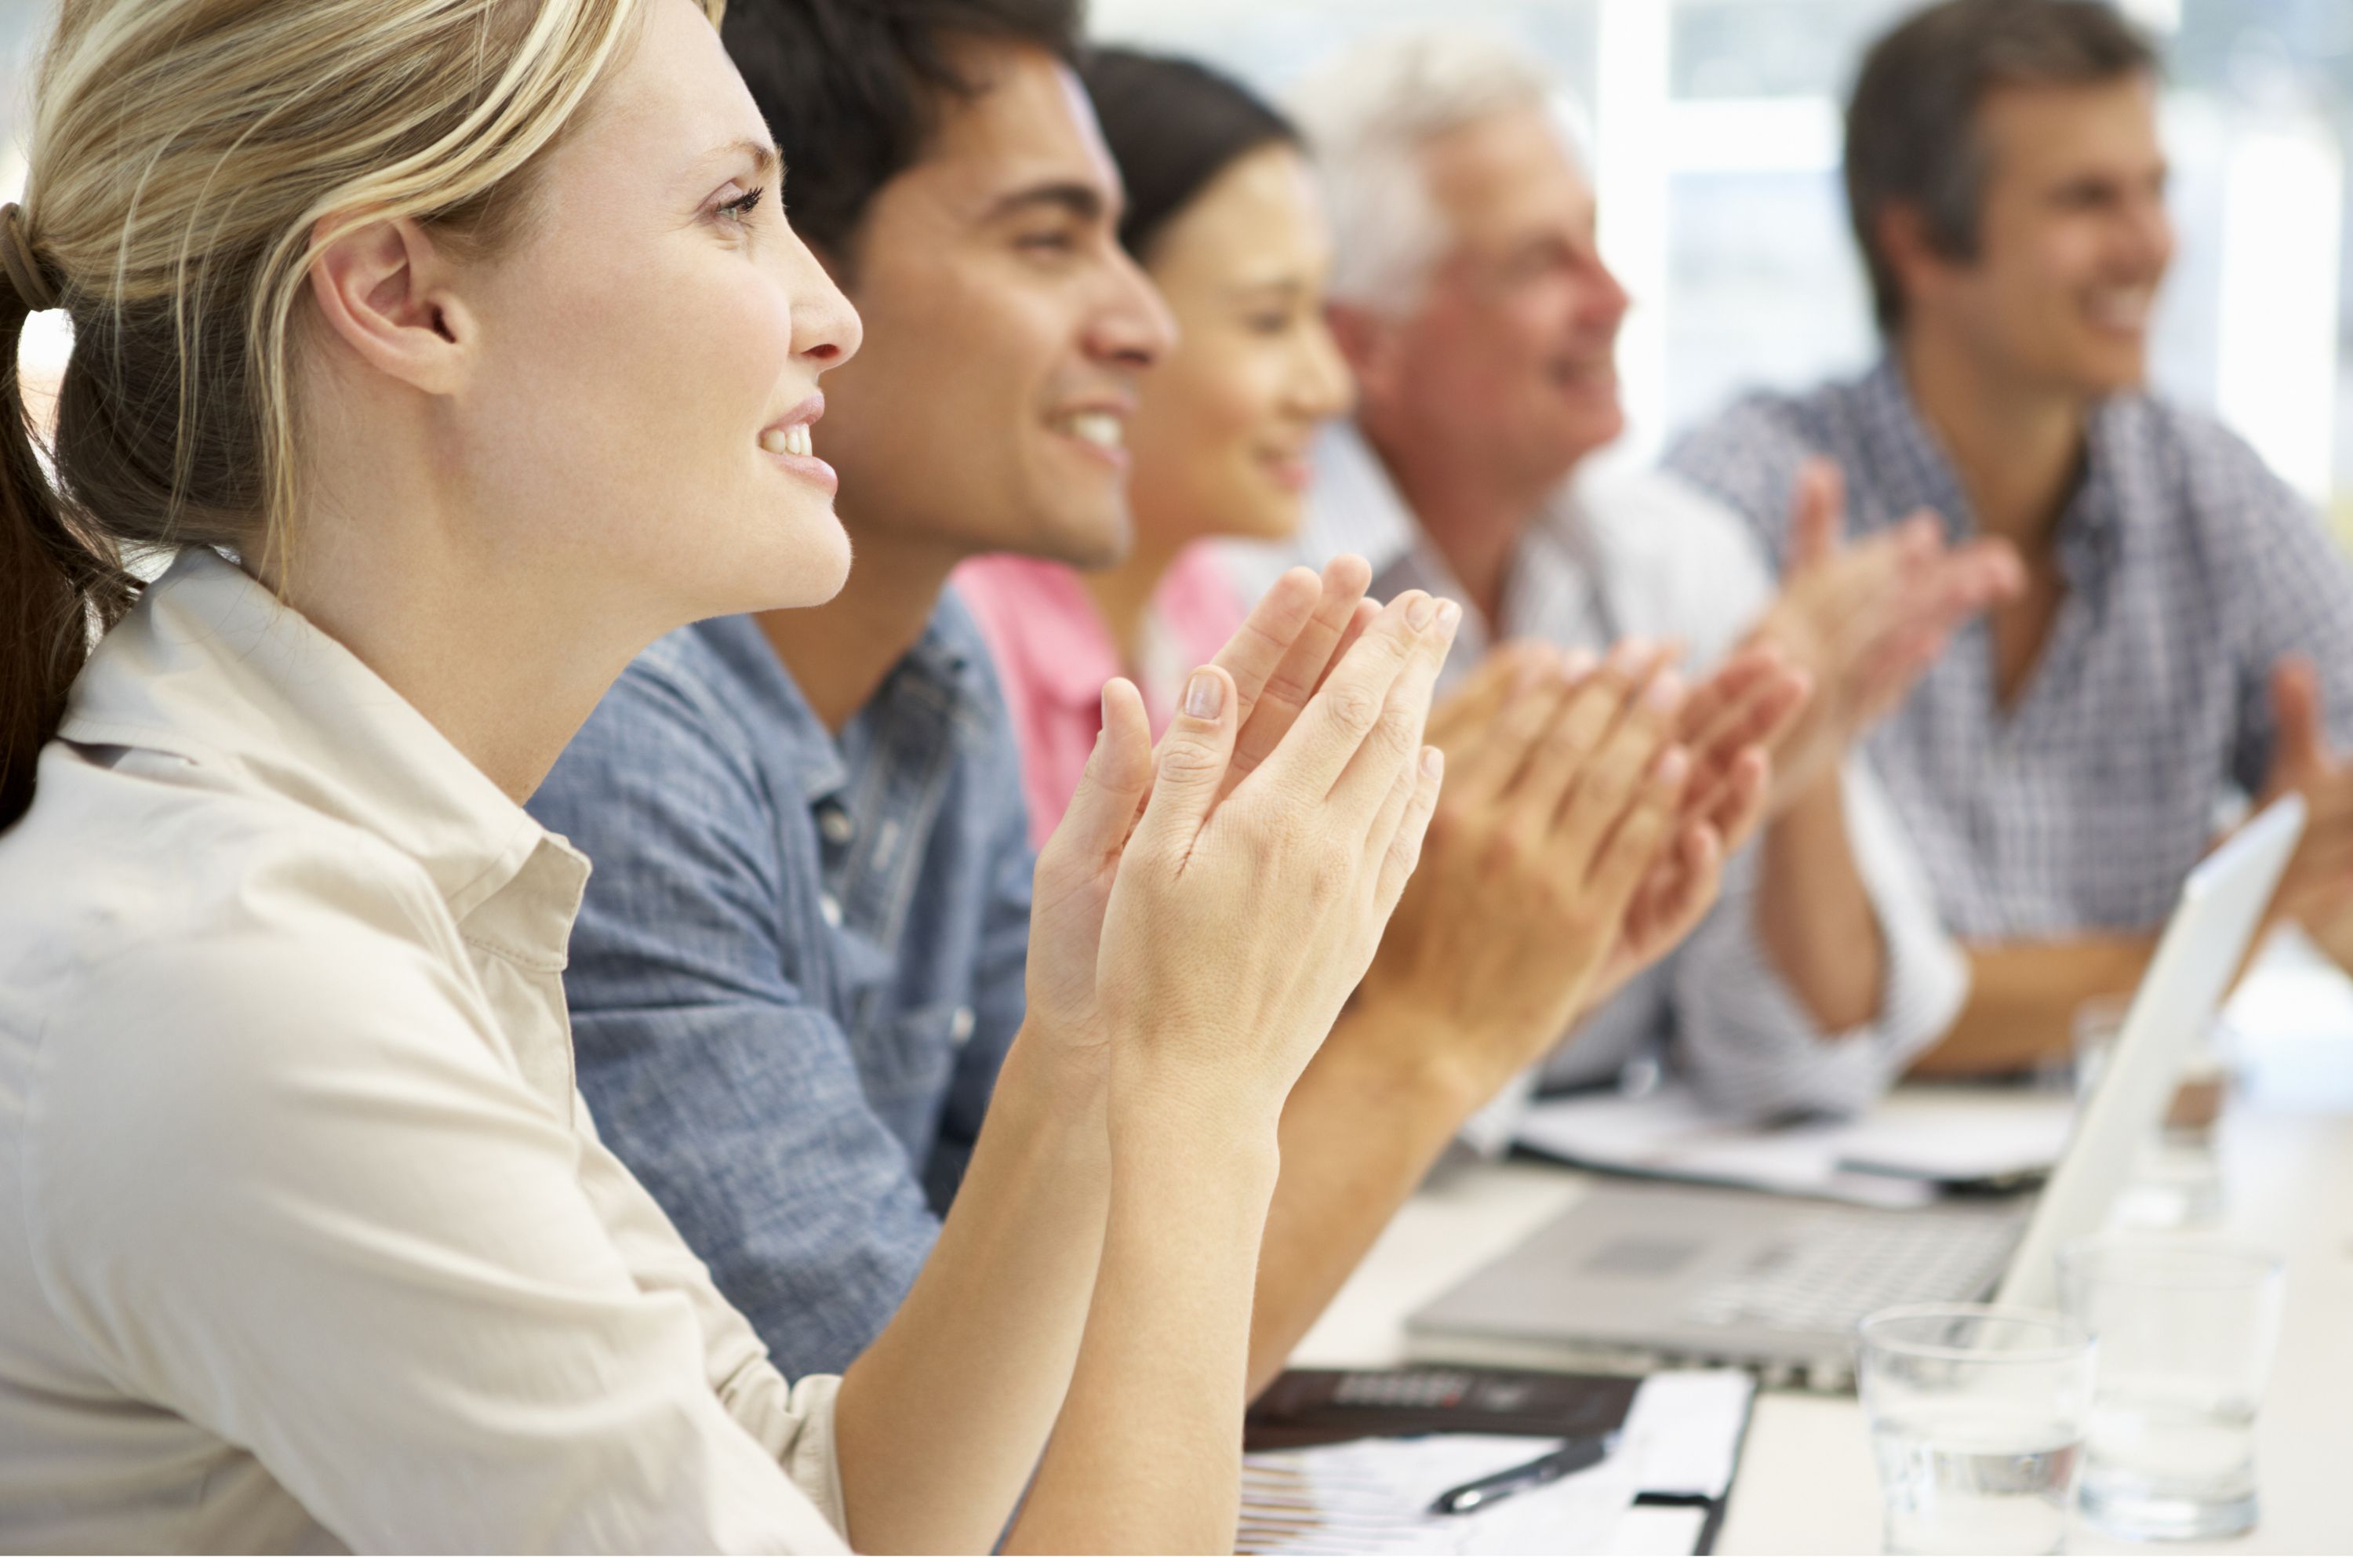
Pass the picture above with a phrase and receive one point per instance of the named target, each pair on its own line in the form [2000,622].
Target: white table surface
[1806,1482]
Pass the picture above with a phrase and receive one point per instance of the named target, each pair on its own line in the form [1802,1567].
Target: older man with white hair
[1481,323]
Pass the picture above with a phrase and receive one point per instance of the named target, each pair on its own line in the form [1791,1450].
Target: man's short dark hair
[1911,137]
[852,88]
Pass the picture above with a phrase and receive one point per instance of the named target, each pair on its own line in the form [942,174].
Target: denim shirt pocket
[906,1053]
[906,1057]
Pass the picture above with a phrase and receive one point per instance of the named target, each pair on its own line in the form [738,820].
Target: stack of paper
[1893,1157]
[1372,1497]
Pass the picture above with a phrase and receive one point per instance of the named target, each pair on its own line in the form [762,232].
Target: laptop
[1642,1275]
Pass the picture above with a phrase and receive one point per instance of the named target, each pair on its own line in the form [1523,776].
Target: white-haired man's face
[1509,360]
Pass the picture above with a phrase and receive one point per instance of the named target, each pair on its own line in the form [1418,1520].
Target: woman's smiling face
[652,349]
[1221,438]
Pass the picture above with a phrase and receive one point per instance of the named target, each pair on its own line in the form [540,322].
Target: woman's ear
[384,290]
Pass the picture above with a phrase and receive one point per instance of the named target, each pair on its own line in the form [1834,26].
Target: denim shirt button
[835,824]
[960,1026]
[830,906]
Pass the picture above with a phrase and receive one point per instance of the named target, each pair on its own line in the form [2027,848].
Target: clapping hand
[1242,913]
[1277,661]
[1865,620]
[1565,791]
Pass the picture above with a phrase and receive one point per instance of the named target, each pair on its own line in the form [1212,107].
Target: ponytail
[58,582]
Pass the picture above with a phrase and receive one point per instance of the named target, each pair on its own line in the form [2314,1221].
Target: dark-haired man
[800,965]
[2185,622]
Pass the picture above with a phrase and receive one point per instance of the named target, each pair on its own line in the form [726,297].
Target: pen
[1580,1454]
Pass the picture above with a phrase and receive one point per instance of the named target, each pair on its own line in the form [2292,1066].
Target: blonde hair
[189,160]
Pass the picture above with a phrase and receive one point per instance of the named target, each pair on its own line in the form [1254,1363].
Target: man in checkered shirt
[2187,633]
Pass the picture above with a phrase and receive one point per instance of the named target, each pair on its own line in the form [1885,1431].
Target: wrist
[1393,1046]
[1052,1087]
[1811,817]
[1166,1125]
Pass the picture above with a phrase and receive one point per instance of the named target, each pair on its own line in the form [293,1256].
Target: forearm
[1814,916]
[2023,999]
[1146,1455]
[940,1422]
[1363,1126]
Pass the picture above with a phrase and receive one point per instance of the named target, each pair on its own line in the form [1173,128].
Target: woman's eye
[1270,324]
[1048,242]
[741,207]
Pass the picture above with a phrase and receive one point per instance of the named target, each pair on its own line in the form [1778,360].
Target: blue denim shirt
[799,963]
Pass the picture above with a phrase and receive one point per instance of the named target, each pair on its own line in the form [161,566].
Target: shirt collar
[1551,559]
[1899,443]
[942,659]
[211,667]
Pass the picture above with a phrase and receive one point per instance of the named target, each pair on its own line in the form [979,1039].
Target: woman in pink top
[1222,213]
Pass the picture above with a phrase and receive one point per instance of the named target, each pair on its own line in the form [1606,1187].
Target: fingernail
[1665,691]
[1673,767]
[1433,762]
[1205,696]
[1450,616]
[1629,657]
[1577,664]
[1419,613]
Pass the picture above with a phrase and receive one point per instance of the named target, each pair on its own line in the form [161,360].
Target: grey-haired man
[1481,323]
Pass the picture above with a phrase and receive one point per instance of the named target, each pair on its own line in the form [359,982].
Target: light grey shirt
[1625,554]
[306,1240]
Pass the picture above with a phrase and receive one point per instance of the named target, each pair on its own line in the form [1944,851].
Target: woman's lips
[791,444]
[1292,471]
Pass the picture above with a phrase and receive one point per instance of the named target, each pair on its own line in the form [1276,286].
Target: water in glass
[1976,1484]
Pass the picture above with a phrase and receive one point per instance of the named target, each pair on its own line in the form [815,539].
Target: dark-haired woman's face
[1220,438]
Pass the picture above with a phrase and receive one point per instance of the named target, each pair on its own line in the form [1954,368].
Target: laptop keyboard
[1828,1272]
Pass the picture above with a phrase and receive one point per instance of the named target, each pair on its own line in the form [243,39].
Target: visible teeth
[788,440]
[1107,431]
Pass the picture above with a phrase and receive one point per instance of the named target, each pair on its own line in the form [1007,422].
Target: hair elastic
[24,270]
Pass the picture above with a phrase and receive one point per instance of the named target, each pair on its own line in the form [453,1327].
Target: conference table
[1806,1482]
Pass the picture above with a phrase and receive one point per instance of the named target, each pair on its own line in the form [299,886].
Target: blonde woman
[459,349]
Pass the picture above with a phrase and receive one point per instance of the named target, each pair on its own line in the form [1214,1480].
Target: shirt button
[834,824]
[830,908]
[960,1026]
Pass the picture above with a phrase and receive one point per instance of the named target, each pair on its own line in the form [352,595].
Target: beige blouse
[306,1240]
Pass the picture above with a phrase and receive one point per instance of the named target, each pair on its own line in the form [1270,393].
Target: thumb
[1817,513]
[2301,746]
[1194,756]
[1095,826]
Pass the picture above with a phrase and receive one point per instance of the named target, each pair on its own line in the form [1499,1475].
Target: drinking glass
[1977,1416]
[2187,1328]
[2177,1178]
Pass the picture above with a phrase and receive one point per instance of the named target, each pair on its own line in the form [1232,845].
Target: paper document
[1372,1497]
[1894,1157]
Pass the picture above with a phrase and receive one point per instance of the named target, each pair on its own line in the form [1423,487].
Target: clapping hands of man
[1864,621]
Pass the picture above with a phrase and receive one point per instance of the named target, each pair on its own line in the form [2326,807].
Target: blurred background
[1714,127]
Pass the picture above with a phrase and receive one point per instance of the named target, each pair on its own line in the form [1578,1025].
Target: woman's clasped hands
[1237,877]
